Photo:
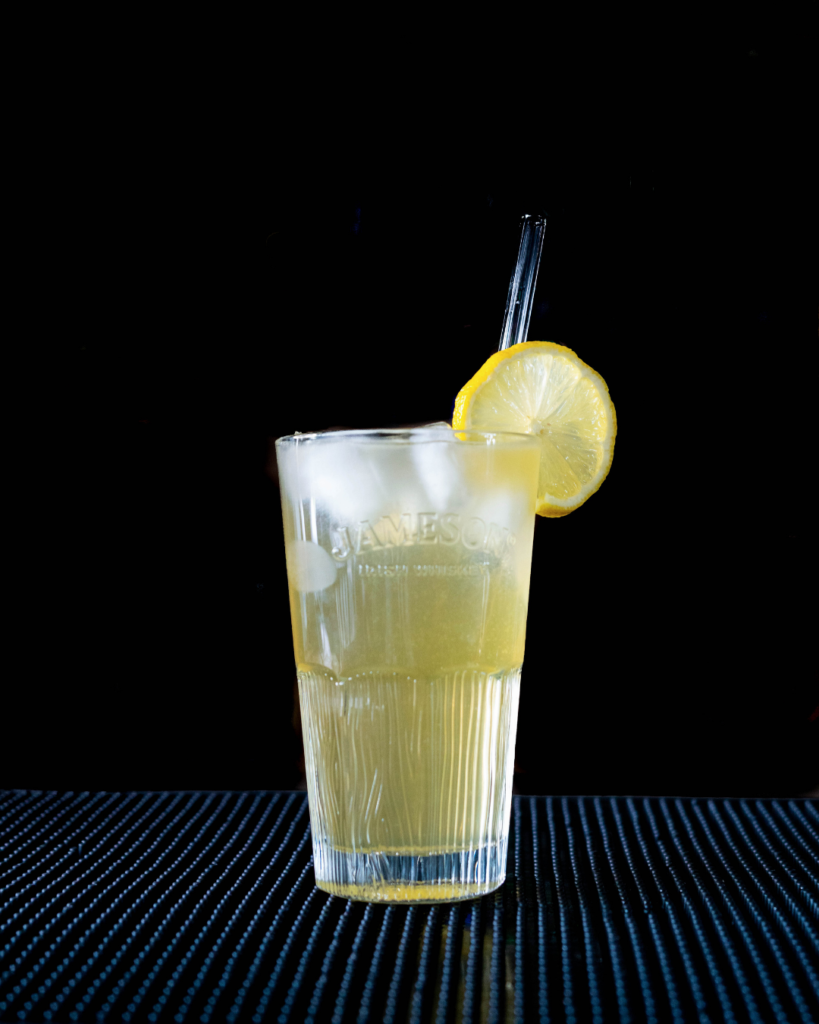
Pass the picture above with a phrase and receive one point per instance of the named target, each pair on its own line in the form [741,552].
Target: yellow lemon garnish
[543,389]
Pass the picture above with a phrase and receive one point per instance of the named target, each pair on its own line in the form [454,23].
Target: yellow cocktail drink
[408,556]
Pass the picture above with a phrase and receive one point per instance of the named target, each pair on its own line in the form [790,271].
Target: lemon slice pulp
[544,389]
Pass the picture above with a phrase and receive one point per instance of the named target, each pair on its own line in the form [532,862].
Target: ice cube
[438,477]
[336,476]
[309,566]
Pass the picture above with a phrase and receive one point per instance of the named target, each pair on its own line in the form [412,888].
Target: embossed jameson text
[425,528]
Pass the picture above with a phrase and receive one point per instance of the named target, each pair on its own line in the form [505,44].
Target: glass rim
[412,434]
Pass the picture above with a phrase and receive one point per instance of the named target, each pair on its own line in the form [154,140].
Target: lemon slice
[543,389]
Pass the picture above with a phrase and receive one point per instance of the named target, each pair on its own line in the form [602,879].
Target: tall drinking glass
[408,561]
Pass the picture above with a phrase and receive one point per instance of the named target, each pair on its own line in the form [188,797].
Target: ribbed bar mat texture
[202,907]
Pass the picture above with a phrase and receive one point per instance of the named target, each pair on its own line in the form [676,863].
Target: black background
[330,245]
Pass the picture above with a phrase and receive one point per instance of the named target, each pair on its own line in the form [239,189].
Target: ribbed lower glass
[409,781]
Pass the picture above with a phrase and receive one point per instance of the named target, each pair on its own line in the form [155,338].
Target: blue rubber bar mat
[201,907]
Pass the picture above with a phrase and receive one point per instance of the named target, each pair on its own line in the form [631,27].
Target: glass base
[378,877]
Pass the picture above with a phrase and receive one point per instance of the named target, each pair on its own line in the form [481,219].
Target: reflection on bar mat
[201,907]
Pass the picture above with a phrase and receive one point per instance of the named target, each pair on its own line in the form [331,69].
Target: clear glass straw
[522,286]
